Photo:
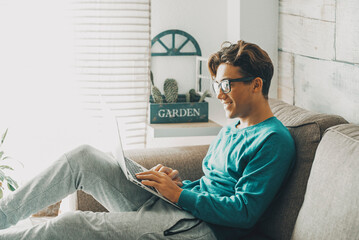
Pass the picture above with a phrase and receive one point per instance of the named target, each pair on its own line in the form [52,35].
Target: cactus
[170,88]
[193,95]
[151,76]
[188,97]
[156,93]
[204,95]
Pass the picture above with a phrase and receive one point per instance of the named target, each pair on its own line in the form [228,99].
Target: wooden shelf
[209,128]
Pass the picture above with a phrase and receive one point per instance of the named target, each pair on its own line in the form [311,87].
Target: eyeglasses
[225,84]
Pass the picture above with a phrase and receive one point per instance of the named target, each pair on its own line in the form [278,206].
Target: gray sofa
[321,198]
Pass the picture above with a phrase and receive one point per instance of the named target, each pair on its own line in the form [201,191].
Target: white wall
[211,22]
[205,20]
[256,21]
[253,21]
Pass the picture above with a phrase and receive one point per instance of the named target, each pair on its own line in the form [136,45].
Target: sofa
[320,200]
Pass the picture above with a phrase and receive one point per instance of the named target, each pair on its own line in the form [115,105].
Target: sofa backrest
[307,129]
[187,160]
[330,209]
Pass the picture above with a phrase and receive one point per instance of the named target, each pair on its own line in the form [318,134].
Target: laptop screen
[118,150]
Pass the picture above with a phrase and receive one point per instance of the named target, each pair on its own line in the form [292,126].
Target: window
[56,55]
[113,61]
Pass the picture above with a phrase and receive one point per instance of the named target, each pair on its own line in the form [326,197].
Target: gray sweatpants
[134,213]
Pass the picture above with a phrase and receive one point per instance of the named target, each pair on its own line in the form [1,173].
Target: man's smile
[226,104]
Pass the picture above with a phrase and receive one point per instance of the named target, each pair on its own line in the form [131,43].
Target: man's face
[237,103]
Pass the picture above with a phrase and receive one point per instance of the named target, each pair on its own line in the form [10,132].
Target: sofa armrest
[187,160]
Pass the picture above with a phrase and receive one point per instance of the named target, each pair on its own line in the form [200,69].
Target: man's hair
[252,60]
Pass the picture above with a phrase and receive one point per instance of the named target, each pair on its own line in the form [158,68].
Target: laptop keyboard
[133,169]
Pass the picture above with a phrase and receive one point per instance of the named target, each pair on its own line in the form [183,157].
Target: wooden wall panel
[327,86]
[347,31]
[286,94]
[306,36]
[285,76]
[316,9]
[285,69]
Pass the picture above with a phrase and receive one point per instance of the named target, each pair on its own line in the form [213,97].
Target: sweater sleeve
[254,191]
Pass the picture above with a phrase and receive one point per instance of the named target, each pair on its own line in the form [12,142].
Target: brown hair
[252,60]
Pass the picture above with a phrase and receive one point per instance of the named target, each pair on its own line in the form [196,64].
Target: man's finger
[174,174]
[157,167]
[179,183]
[149,183]
[166,170]
[151,172]
[151,176]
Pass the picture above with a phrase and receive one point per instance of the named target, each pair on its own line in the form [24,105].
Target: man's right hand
[173,174]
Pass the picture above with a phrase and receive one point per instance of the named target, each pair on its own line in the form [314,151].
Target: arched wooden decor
[172,50]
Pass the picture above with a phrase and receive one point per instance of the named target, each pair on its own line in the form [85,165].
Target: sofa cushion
[331,205]
[85,202]
[306,128]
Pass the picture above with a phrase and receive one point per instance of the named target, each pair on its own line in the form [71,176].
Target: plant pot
[179,112]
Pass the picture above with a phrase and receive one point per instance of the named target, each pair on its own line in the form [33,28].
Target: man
[243,171]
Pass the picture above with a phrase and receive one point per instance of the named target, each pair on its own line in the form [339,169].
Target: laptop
[130,167]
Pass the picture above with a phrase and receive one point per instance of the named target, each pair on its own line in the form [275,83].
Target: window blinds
[112,44]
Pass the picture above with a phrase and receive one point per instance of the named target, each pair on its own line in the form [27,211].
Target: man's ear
[257,84]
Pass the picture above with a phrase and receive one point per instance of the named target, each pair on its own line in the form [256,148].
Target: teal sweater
[243,171]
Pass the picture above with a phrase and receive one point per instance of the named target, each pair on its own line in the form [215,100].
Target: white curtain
[113,61]
[56,59]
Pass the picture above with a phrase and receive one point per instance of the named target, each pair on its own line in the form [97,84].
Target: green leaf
[6,167]
[1,194]
[6,157]
[17,161]
[3,137]
[11,181]
[10,187]
[2,176]
[1,154]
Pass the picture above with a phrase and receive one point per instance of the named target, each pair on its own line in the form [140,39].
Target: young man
[243,171]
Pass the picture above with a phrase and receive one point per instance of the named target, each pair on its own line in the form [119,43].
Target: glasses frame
[220,86]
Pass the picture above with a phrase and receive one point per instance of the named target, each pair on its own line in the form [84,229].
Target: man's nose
[220,94]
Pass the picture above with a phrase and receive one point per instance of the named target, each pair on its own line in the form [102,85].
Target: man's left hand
[173,174]
[162,182]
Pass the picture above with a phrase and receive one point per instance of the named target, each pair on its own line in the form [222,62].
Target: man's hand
[173,174]
[162,182]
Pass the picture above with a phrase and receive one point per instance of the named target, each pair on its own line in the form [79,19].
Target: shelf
[209,128]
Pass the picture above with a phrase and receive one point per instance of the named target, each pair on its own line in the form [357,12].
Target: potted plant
[5,179]
[177,108]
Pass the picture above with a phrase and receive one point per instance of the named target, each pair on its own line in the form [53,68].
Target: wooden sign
[180,112]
